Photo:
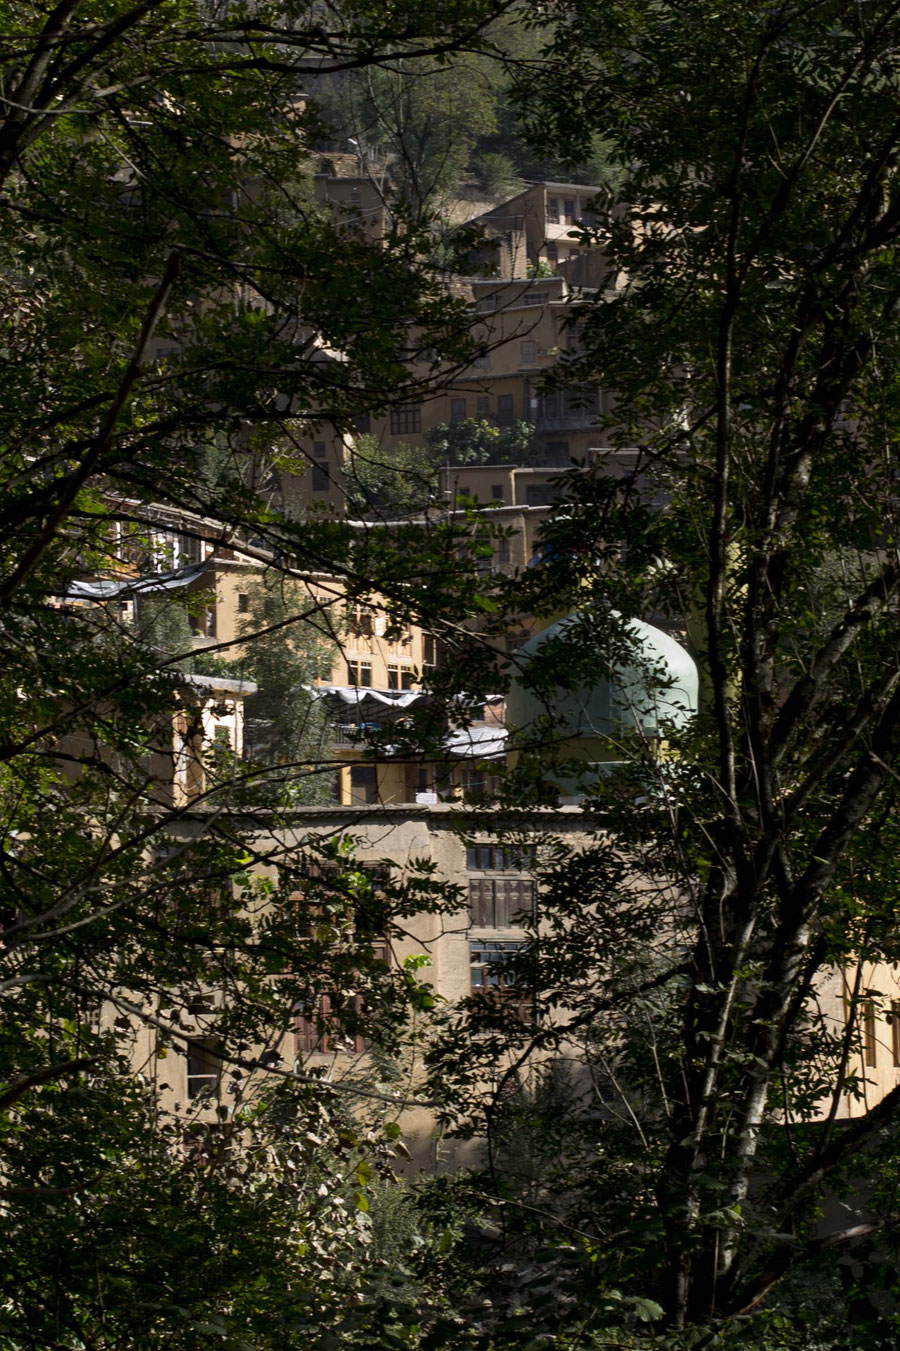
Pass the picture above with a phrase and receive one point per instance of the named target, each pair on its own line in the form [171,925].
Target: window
[528,352]
[400,677]
[499,902]
[363,785]
[497,492]
[503,551]
[328,1021]
[895,1030]
[324,1028]
[475,781]
[202,618]
[574,340]
[539,494]
[330,877]
[487,962]
[484,407]
[204,1066]
[320,478]
[406,420]
[189,549]
[505,410]
[401,644]
[420,784]
[486,304]
[362,621]
[207,1142]
[359,673]
[491,978]
[534,298]
[457,410]
[163,544]
[553,210]
[569,211]
[429,650]
[243,603]
[333,1022]
[363,423]
[546,408]
[483,361]
[582,401]
[500,857]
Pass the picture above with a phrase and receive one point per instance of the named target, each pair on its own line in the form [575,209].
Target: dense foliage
[663,1099]
[403,480]
[157,234]
[681,967]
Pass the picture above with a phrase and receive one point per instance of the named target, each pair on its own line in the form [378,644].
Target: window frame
[501,884]
[357,669]
[406,420]
[203,1082]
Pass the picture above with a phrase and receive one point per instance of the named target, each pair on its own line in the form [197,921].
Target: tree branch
[20,1086]
[72,485]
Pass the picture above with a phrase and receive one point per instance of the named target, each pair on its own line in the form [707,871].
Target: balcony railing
[576,419]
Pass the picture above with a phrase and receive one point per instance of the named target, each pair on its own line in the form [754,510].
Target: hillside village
[522,319]
[373,671]
[449,727]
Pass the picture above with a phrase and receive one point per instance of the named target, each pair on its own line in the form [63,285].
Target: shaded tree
[390,481]
[414,125]
[681,961]
[475,441]
[285,726]
[168,284]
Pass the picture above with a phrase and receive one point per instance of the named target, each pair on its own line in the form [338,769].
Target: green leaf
[363,1173]
[647,1310]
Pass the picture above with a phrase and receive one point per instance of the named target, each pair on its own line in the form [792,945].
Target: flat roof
[592,188]
[509,468]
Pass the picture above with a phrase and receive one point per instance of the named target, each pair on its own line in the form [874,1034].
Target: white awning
[478,743]
[355,695]
[106,589]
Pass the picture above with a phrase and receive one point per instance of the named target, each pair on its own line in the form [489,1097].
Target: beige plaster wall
[397,835]
[874,1060]
[439,835]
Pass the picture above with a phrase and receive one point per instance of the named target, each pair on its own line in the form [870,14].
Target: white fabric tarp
[482,743]
[103,590]
[356,695]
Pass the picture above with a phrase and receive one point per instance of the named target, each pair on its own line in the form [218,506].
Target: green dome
[659,686]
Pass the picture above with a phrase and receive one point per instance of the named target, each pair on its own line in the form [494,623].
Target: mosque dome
[653,686]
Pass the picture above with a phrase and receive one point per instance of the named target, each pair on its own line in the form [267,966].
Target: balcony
[348,737]
[565,411]
[574,421]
